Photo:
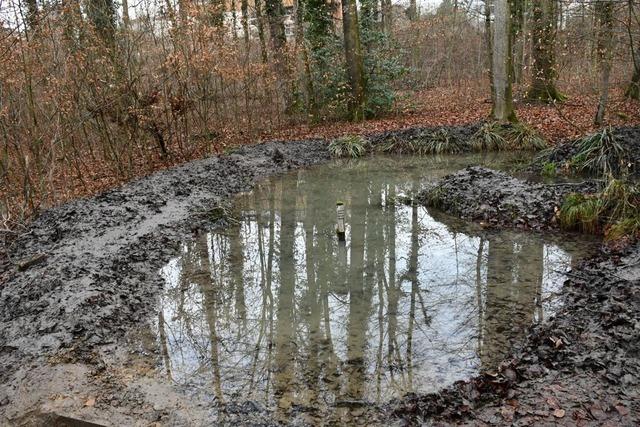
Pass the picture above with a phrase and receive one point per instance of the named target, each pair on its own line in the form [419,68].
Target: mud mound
[459,133]
[563,156]
[498,199]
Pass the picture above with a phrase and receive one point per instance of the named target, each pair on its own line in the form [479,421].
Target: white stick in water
[340,221]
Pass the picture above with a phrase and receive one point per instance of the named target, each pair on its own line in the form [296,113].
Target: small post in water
[340,221]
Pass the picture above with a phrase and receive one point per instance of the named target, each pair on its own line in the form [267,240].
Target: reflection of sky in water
[454,307]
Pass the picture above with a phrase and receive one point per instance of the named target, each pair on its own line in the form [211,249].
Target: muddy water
[275,311]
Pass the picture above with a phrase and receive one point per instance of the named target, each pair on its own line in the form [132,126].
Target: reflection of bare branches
[163,342]
[276,308]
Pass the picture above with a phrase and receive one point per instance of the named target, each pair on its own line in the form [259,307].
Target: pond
[276,311]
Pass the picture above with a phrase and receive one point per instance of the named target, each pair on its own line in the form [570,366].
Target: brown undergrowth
[78,175]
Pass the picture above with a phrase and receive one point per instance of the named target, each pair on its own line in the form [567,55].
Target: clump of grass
[583,213]
[353,146]
[549,169]
[489,138]
[440,141]
[523,137]
[601,153]
[623,228]
[443,141]
[494,136]
[615,211]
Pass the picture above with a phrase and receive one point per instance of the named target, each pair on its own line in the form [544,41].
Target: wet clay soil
[81,278]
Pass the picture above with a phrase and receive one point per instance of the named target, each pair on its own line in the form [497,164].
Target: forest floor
[76,285]
[451,106]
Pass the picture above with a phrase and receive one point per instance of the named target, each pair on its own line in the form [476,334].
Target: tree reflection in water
[276,311]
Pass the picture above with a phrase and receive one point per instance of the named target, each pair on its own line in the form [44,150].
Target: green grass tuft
[494,136]
[489,138]
[353,146]
[549,169]
[602,154]
[615,211]
[440,141]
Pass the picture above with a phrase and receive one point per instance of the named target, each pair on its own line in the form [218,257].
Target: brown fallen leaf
[622,410]
[559,413]
[507,413]
[553,402]
[557,342]
[90,402]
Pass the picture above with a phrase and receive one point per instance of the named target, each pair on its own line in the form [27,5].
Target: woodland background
[94,92]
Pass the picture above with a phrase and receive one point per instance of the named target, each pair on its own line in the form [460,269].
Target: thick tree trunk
[244,5]
[125,14]
[300,42]
[517,37]
[503,110]
[604,14]
[32,14]
[543,86]
[412,13]
[261,35]
[353,56]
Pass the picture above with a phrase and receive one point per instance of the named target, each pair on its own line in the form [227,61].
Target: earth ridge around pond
[500,200]
[71,360]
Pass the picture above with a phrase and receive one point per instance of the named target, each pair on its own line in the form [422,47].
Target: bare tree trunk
[544,65]
[488,42]
[604,14]
[32,14]
[125,14]
[261,35]
[300,42]
[413,10]
[244,5]
[633,91]
[275,16]
[518,37]
[503,110]
[387,16]
[353,56]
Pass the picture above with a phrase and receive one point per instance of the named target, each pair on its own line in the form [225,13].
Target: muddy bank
[565,158]
[458,133]
[85,273]
[497,199]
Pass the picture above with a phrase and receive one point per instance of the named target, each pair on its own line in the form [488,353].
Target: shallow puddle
[274,310]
